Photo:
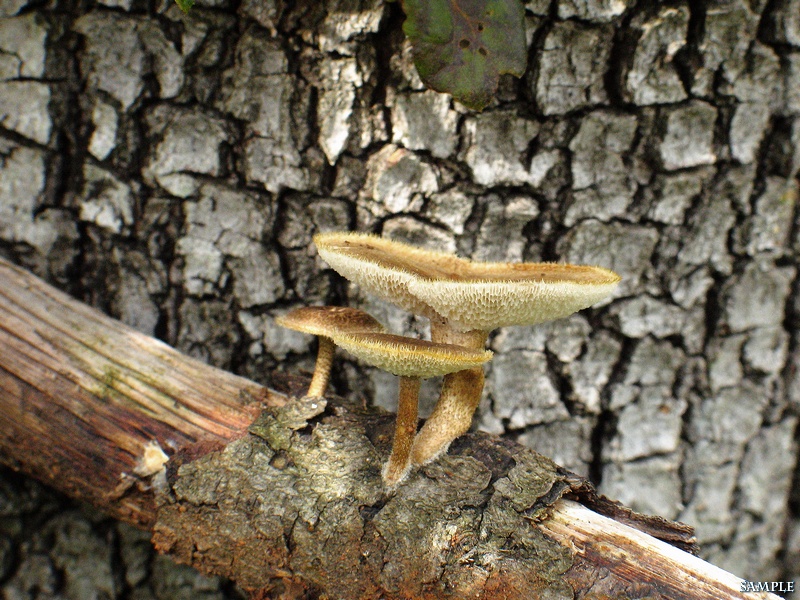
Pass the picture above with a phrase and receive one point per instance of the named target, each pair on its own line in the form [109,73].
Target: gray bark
[171,170]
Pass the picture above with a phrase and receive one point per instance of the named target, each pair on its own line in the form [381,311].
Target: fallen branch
[84,397]
[287,495]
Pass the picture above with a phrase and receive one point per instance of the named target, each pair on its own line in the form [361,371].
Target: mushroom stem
[452,417]
[458,400]
[398,465]
[322,370]
[443,333]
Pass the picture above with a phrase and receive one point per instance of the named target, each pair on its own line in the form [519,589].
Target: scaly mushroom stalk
[322,368]
[405,429]
[452,417]
[458,399]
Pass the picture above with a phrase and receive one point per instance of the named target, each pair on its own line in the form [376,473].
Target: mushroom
[464,301]
[325,322]
[411,359]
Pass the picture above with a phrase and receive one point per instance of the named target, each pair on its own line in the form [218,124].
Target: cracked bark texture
[339,530]
[171,170]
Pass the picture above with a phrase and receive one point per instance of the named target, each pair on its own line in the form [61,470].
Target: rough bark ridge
[341,531]
[171,169]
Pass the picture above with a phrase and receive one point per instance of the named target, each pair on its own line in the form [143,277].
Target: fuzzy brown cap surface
[329,320]
[469,295]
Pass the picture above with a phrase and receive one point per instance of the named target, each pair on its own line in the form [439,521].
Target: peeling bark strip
[299,501]
[83,396]
[636,558]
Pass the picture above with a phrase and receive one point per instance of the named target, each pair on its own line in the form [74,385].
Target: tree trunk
[171,169]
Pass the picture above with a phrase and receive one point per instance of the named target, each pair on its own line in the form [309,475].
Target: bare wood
[635,557]
[299,503]
[82,396]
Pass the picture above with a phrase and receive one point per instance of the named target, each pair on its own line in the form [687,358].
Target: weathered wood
[633,558]
[83,396]
[295,499]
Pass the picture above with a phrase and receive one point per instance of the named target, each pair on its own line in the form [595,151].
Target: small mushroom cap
[469,295]
[410,357]
[329,320]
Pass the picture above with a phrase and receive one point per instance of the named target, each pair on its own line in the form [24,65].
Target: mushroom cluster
[411,359]
[464,301]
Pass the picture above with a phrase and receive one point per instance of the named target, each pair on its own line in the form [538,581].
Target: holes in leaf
[480,26]
[463,44]
[482,51]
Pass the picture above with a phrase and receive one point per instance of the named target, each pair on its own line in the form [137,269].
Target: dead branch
[287,496]
[83,396]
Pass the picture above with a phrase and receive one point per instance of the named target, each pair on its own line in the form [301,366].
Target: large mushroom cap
[380,266]
[410,357]
[469,295]
[485,305]
[329,320]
